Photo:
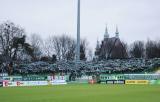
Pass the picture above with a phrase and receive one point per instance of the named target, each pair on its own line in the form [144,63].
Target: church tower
[98,45]
[97,51]
[106,34]
[117,33]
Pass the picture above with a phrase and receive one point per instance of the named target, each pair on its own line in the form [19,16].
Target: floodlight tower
[78,33]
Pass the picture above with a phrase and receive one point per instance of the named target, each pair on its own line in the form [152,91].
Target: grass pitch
[82,93]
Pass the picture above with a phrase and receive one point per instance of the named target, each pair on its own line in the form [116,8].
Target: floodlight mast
[78,33]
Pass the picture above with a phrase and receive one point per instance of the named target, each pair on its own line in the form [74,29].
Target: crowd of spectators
[83,67]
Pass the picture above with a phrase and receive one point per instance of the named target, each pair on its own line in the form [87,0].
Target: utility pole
[78,33]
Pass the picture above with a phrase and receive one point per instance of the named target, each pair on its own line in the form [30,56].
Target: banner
[8,83]
[119,82]
[33,83]
[57,82]
[115,82]
[12,78]
[137,82]
[109,82]
[155,82]
[24,83]
[51,78]
[92,81]
[34,78]
[1,84]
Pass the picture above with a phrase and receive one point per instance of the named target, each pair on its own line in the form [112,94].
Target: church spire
[106,35]
[98,46]
[117,32]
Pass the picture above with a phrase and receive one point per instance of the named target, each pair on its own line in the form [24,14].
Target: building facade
[111,47]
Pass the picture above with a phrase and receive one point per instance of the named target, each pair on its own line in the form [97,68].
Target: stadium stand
[111,66]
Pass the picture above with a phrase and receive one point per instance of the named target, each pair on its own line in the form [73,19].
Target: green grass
[82,93]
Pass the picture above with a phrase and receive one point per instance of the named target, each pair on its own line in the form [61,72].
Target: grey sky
[136,19]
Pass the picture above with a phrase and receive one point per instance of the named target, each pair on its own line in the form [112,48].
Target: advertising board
[9,84]
[115,82]
[32,83]
[109,82]
[24,83]
[119,82]
[1,84]
[92,81]
[51,78]
[34,78]
[12,78]
[58,82]
[136,81]
[154,82]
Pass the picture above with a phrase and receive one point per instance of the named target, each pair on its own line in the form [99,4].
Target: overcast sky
[136,19]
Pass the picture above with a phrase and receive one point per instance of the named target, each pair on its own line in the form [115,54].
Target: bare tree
[90,55]
[83,49]
[65,47]
[56,46]
[65,42]
[12,44]
[153,49]
[71,51]
[47,47]
[158,50]
[36,43]
[137,49]
[9,31]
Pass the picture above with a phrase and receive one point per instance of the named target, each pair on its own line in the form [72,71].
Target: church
[111,47]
